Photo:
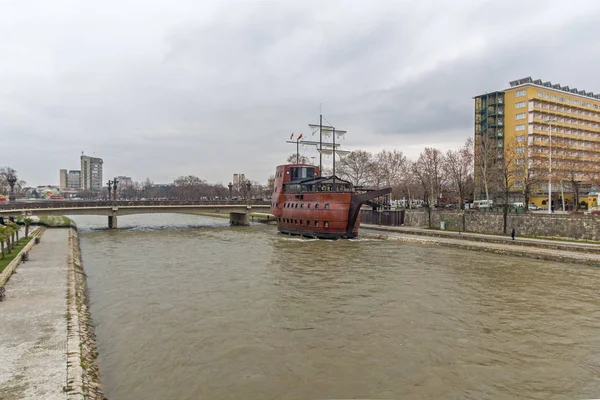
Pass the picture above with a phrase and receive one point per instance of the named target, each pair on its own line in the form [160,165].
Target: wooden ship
[309,204]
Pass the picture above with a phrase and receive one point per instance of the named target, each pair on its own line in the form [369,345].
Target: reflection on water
[189,308]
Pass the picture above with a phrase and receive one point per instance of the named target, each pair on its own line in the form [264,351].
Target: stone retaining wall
[579,227]
[83,380]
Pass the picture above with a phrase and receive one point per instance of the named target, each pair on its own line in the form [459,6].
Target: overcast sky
[162,88]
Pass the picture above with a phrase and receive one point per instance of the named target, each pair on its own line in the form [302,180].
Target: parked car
[533,207]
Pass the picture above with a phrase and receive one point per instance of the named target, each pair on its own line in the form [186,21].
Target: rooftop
[556,86]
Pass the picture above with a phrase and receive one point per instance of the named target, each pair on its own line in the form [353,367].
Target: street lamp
[248,185]
[109,184]
[549,121]
[230,186]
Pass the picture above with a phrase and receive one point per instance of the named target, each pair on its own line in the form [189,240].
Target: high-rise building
[74,180]
[533,122]
[70,181]
[238,181]
[124,181]
[63,179]
[91,173]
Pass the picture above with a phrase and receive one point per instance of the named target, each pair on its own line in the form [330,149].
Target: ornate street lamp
[230,186]
[115,181]
[248,185]
[109,184]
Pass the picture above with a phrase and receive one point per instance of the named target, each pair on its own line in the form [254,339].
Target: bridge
[238,210]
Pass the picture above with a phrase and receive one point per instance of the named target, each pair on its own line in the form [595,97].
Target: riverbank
[573,252]
[45,354]
[83,375]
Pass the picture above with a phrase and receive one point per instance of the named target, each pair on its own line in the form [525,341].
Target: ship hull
[318,235]
[314,206]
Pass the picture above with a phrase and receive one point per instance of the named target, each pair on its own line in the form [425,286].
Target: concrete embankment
[533,248]
[43,353]
[83,377]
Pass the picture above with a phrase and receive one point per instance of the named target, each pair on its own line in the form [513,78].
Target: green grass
[9,257]
[55,221]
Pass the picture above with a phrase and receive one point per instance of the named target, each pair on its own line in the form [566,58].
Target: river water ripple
[187,307]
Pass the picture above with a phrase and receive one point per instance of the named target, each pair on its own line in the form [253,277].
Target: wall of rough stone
[582,227]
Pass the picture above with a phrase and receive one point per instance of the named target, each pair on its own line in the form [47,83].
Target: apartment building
[70,180]
[91,173]
[553,130]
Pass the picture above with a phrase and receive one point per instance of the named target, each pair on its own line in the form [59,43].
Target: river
[187,307]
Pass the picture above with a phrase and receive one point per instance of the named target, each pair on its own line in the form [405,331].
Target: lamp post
[115,181]
[549,121]
[248,186]
[230,186]
[109,185]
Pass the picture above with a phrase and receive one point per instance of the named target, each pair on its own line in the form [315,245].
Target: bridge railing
[124,203]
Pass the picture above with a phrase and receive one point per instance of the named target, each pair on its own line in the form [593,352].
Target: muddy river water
[187,307]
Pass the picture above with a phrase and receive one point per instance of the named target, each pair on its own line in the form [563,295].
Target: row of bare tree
[433,176]
[183,188]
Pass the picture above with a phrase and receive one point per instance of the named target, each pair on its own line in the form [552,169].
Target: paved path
[502,248]
[560,244]
[33,327]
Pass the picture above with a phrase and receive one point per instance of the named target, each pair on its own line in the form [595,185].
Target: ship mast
[320,143]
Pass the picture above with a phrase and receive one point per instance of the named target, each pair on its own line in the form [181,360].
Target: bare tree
[459,166]
[300,159]
[389,168]
[9,181]
[486,156]
[526,167]
[190,188]
[576,172]
[506,178]
[430,172]
[410,184]
[356,167]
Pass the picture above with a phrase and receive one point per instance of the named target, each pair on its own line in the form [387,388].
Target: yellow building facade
[532,122]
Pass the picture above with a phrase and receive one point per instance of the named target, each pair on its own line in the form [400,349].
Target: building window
[316,206]
[326,224]
[316,224]
[520,116]
[540,94]
[520,150]
[521,127]
[520,161]
[327,206]
[521,104]
[555,98]
[547,96]
[520,93]
[521,138]
[307,223]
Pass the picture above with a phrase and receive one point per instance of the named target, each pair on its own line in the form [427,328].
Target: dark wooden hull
[320,215]
[318,235]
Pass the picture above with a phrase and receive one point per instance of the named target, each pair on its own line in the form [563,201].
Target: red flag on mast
[300,137]
[291,137]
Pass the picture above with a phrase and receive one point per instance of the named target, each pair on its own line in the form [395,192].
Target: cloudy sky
[162,88]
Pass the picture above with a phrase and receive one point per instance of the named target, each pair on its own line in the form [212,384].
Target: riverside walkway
[544,249]
[33,325]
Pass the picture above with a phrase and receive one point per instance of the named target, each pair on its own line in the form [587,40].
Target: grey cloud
[216,88]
